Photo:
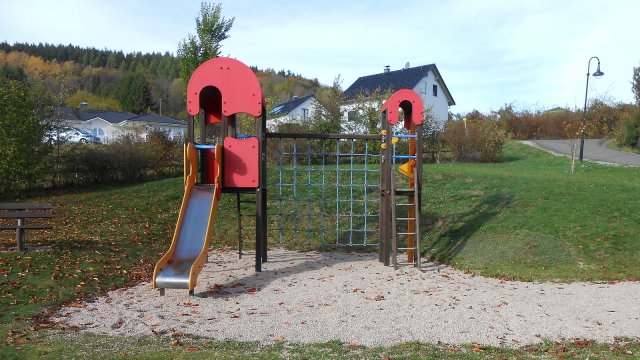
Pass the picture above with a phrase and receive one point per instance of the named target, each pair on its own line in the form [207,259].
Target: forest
[134,82]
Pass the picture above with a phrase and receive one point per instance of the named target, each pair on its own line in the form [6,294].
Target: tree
[134,94]
[211,30]
[22,151]
[635,84]
[94,101]
[364,115]
[328,115]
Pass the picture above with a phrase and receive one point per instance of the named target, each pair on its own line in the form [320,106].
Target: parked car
[71,135]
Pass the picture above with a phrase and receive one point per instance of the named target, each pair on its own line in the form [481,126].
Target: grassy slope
[529,218]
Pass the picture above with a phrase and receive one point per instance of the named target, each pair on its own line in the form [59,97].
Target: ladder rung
[410,218]
[411,248]
[405,204]
[407,233]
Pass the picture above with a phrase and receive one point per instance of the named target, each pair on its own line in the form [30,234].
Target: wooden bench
[22,212]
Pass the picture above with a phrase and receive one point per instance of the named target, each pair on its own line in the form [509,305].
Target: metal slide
[180,266]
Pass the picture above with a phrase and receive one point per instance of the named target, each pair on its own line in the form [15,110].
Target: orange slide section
[180,266]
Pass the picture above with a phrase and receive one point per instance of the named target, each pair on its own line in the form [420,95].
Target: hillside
[98,76]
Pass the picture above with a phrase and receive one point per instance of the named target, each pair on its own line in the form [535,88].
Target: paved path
[594,149]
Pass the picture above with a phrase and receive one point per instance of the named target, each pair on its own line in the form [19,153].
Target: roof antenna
[387,68]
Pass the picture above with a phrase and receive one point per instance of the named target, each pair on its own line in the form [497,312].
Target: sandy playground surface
[322,296]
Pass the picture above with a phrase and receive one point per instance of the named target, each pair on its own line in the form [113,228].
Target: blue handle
[204,147]
[402,136]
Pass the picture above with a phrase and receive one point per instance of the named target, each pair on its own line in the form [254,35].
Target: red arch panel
[410,103]
[236,89]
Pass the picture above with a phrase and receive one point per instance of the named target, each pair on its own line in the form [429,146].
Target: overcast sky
[533,54]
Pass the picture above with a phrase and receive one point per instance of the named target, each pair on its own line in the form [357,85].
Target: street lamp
[596,74]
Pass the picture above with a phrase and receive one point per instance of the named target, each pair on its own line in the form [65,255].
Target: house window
[435,90]
[96,131]
[305,114]
[351,115]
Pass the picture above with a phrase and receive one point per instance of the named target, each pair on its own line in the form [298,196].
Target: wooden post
[261,193]
[385,193]
[20,243]
[418,187]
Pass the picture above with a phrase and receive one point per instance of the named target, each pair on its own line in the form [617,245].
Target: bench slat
[25,214]
[12,227]
[25,206]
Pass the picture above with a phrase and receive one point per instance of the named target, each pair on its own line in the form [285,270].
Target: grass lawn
[529,218]
[526,218]
[613,144]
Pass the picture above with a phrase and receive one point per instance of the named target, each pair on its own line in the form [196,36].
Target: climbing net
[323,189]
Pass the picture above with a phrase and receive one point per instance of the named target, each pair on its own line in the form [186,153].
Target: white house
[298,110]
[108,125]
[424,80]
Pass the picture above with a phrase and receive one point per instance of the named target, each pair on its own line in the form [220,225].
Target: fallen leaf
[278,338]
[192,348]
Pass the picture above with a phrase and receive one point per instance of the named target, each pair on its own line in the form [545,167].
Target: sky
[532,54]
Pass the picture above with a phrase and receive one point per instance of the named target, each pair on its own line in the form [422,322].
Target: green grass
[526,218]
[613,144]
[55,345]
[529,218]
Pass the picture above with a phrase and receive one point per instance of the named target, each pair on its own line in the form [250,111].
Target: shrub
[630,134]
[127,159]
[481,140]
[433,136]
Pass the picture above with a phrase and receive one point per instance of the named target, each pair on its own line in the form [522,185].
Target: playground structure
[220,89]
[358,169]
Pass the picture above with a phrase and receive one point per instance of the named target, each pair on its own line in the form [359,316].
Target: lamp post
[596,74]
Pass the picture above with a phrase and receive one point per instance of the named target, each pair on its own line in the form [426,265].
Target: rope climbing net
[323,189]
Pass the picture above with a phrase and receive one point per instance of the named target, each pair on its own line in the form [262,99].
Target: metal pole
[584,114]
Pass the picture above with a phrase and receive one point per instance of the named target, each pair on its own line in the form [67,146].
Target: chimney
[407,65]
[387,68]
[84,106]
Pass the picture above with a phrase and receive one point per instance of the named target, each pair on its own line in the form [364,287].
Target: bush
[127,159]
[433,136]
[481,140]
[630,134]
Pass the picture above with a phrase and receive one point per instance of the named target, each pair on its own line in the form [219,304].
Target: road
[594,149]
